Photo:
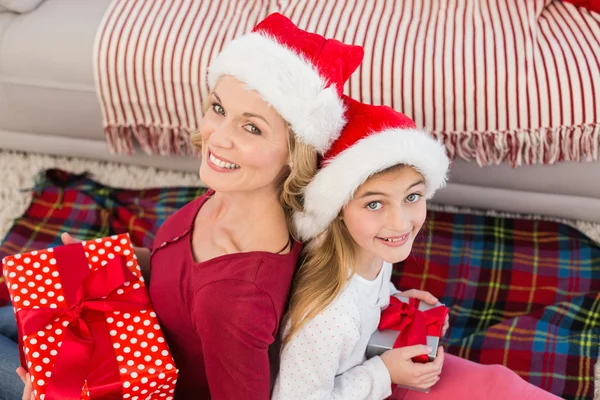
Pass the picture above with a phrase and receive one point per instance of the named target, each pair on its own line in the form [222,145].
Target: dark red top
[219,316]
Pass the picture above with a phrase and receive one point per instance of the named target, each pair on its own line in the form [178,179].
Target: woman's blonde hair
[329,262]
[295,177]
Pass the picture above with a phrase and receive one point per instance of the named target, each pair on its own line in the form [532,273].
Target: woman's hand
[28,391]
[142,254]
[429,299]
[403,371]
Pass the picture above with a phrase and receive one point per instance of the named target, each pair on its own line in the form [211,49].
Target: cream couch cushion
[46,73]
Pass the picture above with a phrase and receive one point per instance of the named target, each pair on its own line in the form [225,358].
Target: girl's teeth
[395,240]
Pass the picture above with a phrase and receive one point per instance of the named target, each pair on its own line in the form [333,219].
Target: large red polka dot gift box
[86,324]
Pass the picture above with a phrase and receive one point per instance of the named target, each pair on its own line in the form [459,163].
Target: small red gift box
[87,326]
[408,322]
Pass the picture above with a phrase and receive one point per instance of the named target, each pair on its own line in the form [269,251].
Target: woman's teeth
[222,163]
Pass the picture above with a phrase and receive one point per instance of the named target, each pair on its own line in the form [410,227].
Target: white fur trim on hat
[335,184]
[287,81]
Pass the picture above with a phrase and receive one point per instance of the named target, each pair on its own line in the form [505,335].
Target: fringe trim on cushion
[150,139]
[525,146]
[516,147]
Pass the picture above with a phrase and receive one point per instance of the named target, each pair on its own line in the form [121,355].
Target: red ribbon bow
[86,352]
[414,325]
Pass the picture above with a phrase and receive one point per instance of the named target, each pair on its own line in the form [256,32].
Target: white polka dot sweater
[326,359]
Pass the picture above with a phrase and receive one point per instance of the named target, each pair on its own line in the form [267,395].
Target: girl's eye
[413,198]
[374,205]
[252,129]
[218,109]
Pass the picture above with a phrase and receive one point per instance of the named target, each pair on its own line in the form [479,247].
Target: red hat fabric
[375,138]
[301,74]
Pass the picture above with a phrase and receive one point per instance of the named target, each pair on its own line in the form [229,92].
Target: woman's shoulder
[181,220]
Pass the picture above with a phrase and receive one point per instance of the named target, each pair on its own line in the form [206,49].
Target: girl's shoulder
[345,308]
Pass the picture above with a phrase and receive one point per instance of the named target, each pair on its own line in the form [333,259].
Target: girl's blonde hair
[329,262]
[291,183]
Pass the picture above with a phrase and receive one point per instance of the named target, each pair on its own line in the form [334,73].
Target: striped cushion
[509,81]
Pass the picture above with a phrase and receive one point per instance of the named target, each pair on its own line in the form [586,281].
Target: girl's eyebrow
[420,181]
[217,96]
[367,194]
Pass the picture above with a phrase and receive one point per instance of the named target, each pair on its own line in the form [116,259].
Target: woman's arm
[310,363]
[143,257]
[236,322]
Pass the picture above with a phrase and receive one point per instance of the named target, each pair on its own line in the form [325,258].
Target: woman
[221,267]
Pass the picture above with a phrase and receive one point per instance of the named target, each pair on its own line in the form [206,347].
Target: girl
[221,267]
[364,209]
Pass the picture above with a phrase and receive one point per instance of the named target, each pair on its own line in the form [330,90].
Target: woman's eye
[252,129]
[374,205]
[218,109]
[413,198]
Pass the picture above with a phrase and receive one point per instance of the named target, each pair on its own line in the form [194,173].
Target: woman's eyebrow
[217,96]
[247,114]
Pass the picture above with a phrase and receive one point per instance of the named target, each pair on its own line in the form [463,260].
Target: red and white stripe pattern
[497,81]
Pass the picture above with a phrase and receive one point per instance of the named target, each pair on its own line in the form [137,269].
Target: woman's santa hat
[301,74]
[374,139]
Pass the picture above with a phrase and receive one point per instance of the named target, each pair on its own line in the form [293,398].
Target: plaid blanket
[525,294]
[521,293]
[64,202]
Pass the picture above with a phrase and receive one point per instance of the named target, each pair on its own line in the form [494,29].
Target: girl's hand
[28,391]
[429,299]
[421,295]
[403,371]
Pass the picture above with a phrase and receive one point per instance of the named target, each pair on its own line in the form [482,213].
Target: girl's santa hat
[374,139]
[301,74]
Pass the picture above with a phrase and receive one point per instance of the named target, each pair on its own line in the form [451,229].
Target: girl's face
[244,140]
[386,214]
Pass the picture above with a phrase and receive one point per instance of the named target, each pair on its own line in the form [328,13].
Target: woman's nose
[222,136]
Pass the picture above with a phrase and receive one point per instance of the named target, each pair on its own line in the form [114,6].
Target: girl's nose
[400,220]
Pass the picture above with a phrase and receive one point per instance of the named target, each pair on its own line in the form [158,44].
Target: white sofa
[48,104]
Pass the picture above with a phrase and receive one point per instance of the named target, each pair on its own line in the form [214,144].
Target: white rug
[19,169]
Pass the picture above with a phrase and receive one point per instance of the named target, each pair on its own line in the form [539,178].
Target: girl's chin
[392,258]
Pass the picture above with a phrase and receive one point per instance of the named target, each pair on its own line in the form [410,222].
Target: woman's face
[244,140]
[386,214]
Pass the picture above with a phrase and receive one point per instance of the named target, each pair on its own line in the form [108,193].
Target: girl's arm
[311,360]
[236,322]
